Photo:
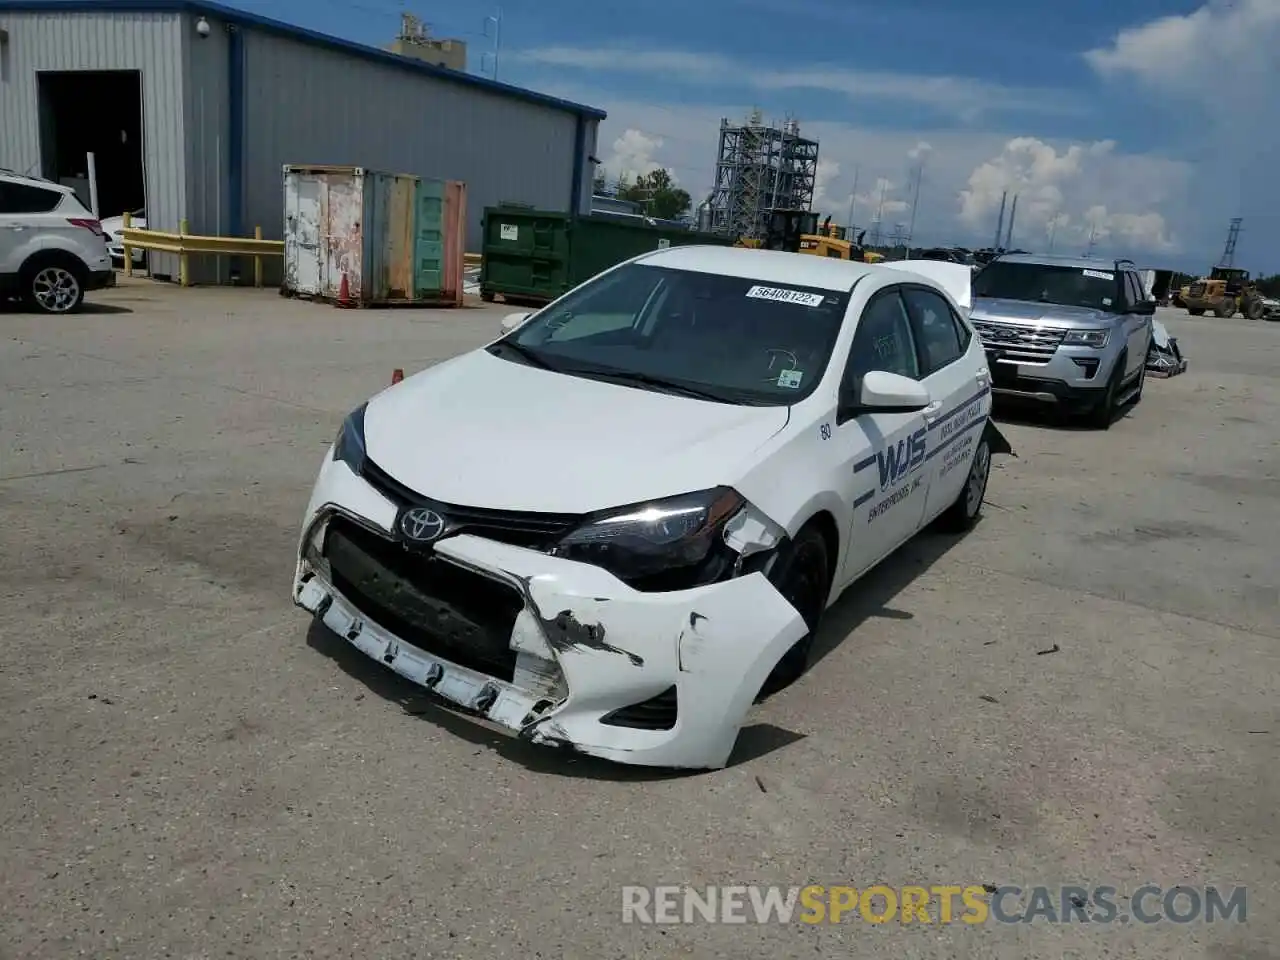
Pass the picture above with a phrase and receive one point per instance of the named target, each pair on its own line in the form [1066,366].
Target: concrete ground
[189,769]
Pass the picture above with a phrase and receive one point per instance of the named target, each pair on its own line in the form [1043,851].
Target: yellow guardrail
[471,259]
[185,245]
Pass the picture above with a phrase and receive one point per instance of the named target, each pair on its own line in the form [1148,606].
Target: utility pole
[1093,237]
[915,202]
[1008,237]
[848,230]
[496,20]
[1004,197]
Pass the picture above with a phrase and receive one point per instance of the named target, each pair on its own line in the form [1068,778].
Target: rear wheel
[964,513]
[804,582]
[53,283]
[1225,310]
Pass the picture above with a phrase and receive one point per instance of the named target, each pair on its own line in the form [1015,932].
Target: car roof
[1049,260]
[14,176]
[767,266]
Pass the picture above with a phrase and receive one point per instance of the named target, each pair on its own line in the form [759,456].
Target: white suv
[51,248]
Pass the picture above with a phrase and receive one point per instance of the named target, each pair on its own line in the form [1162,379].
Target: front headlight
[1086,338]
[348,447]
[679,540]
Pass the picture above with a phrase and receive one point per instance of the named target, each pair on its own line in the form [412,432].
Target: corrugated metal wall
[151,43]
[305,104]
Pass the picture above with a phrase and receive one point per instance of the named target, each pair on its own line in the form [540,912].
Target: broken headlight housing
[348,446]
[670,544]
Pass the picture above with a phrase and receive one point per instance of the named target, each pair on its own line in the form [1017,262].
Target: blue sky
[1105,123]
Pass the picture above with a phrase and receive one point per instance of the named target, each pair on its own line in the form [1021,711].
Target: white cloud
[826,174]
[1217,68]
[963,98]
[1224,43]
[1050,185]
[633,155]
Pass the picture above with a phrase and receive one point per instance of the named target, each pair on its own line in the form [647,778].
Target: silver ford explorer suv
[1068,331]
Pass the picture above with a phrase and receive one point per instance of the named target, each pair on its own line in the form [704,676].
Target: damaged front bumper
[582,660]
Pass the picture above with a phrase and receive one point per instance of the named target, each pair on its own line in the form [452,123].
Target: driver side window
[883,341]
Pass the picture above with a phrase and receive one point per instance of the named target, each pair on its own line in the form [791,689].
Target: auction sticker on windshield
[790,379]
[1099,275]
[782,295]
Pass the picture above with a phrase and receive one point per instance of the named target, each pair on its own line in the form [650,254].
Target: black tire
[962,515]
[1225,310]
[1142,382]
[1254,310]
[804,580]
[53,283]
[1196,311]
[488,296]
[1104,412]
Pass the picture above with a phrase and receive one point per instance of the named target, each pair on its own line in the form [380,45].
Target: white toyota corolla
[616,525]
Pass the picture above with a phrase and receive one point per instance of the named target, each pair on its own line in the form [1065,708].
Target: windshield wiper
[531,356]
[648,380]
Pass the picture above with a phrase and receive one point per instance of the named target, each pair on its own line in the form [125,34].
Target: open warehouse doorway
[98,112]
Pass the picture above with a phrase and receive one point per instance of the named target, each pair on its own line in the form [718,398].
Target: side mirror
[513,320]
[884,392]
[1145,308]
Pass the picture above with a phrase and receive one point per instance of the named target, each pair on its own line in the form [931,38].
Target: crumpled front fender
[617,646]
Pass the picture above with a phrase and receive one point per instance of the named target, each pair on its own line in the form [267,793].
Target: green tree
[661,197]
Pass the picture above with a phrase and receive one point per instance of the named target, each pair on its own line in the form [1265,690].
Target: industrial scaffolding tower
[760,169]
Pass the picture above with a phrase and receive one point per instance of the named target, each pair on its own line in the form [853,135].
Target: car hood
[1040,314]
[481,431]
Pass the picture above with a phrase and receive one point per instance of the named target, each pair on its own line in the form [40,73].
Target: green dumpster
[538,255]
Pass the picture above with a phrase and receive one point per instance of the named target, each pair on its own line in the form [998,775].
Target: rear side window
[1134,288]
[23,198]
[936,328]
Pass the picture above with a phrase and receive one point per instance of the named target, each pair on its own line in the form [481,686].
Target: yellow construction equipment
[797,231]
[1226,292]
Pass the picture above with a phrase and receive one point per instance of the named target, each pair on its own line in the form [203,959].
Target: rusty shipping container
[395,238]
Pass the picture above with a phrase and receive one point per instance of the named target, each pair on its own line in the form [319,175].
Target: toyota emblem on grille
[421,524]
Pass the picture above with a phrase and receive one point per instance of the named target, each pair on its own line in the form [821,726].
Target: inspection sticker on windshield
[790,379]
[786,296]
[1098,274]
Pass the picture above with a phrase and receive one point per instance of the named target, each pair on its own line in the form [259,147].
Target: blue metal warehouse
[192,108]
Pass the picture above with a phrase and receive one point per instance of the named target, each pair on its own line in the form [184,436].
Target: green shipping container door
[540,254]
[525,253]
[428,241]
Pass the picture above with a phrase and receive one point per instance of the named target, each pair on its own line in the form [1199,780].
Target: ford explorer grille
[1019,343]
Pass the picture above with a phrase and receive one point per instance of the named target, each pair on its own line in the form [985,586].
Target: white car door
[953,367]
[884,452]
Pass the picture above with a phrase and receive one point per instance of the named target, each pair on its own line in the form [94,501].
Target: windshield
[1048,283]
[719,338]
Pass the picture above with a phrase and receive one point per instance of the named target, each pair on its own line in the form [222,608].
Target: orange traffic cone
[344,293]
[396,376]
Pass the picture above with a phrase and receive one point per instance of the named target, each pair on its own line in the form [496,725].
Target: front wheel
[967,509]
[804,582]
[1104,412]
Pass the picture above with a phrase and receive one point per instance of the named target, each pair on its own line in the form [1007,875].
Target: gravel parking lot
[188,768]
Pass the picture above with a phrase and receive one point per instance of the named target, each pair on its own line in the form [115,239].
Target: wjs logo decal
[897,460]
